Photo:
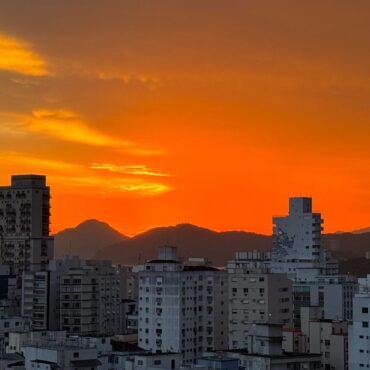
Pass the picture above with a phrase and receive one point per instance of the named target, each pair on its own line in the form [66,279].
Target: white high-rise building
[359,331]
[297,247]
[182,308]
[256,296]
[25,241]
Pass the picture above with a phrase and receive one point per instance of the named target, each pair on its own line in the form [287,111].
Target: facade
[25,241]
[35,298]
[146,361]
[359,331]
[334,293]
[265,352]
[68,354]
[326,337]
[11,323]
[182,309]
[297,248]
[218,362]
[256,296]
[91,298]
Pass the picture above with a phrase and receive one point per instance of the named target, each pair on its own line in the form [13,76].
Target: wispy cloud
[143,188]
[17,56]
[67,125]
[36,163]
[112,186]
[133,169]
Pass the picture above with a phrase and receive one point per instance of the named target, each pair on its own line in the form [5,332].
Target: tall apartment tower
[182,308]
[91,298]
[25,241]
[256,296]
[297,247]
[359,331]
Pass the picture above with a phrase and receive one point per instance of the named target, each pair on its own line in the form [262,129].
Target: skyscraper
[297,248]
[25,241]
[182,308]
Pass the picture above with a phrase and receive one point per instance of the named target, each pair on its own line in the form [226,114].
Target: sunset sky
[147,113]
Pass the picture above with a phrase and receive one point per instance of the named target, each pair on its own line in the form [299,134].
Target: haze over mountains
[95,239]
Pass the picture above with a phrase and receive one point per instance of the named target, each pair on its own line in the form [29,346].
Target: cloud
[145,152]
[143,189]
[17,56]
[135,169]
[106,187]
[37,163]
[67,125]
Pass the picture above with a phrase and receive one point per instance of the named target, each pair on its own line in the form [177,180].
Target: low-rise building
[265,352]
[68,354]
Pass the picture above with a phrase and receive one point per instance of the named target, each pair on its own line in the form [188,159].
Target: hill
[95,239]
[346,246]
[86,239]
[191,241]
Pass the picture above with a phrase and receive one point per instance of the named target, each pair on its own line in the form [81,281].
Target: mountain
[191,241]
[95,239]
[86,239]
[345,246]
[359,267]
[362,231]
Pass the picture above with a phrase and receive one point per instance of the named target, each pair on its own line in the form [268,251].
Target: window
[76,354]
[365,324]
[157,362]
[365,310]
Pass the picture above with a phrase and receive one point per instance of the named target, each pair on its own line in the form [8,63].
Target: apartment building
[25,241]
[334,293]
[182,309]
[359,331]
[256,296]
[91,298]
[35,298]
[297,248]
[265,351]
[67,354]
[329,338]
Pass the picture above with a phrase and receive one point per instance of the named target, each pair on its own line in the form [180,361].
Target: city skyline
[168,112]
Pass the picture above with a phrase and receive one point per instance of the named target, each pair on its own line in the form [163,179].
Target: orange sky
[214,112]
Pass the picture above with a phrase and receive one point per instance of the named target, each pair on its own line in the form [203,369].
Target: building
[91,299]
[67,354]
[265,352]
[18,339]
[329,338]
[35,298]
[218,362]
[297,248]
[11,323]
[25,241]
[9,293]
[148,361]
[182,309]
[129,316]
[359,331]
[334,293]
[256,296]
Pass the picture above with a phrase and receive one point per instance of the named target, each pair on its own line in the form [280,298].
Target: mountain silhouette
[94,239]
[190,240]
[86,239]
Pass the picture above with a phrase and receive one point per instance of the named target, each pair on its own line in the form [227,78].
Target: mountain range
[96,239]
